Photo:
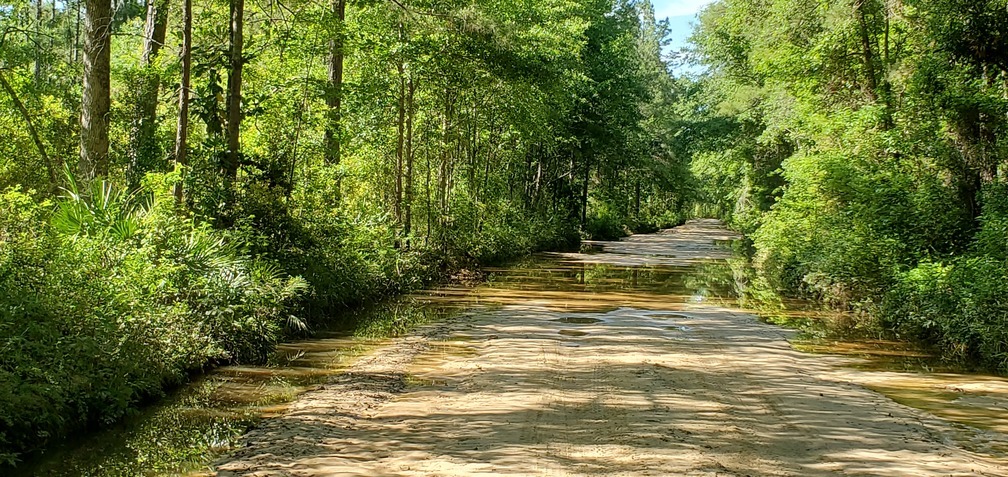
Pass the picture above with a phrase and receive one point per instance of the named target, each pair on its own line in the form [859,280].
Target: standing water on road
[634,360]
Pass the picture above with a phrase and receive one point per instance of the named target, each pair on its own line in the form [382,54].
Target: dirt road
[532,382]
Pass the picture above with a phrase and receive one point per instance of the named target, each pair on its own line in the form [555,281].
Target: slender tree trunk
[868,54]
[637,191]
[491,148]
[473,150]
[145,153]
[334,95]
[887,92]
[427,193]
[482,160]
[584,190]
[95,101]
[69,33]
[234,97]
[182,131]
[445,155]
[38,41]
[155,29]
[408,204]
[400,144]
[76,41]
[53,180]
[537,182]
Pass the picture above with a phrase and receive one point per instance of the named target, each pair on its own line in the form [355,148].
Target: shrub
[604,224]
[94,320]
[959,308]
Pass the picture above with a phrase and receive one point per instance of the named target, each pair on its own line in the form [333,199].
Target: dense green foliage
[861,144]
[333,152]
[96,320]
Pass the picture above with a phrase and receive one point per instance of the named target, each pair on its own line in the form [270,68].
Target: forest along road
[538,381]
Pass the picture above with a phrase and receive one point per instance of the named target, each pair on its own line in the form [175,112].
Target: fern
[104,210]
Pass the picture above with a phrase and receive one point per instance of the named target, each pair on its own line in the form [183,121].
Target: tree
[30,124]
[96,100]
[145,151]
[232,157]
[182,130]
[334,91]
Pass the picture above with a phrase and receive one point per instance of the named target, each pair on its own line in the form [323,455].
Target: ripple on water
[578,320]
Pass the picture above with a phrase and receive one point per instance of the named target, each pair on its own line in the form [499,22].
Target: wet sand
[609,380]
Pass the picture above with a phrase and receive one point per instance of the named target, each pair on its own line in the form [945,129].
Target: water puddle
[883,353]
[194,425]
[976,404]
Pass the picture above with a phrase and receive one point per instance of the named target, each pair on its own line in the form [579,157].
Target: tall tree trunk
[182,131]
[76,40]
[30,124]
[400,143]
[492,147]
[887,90]
[234,113]
[69,33]
[584,189]
[445,157]
[38,41]
[144,153]
[473,149]
[408,203]
[637,191]
[155,27]
[334,95]
[95,100]
[427,192]
[868,53]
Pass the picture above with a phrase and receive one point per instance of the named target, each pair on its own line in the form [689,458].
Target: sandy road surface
[525,389]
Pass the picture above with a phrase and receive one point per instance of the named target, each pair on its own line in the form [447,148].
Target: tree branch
[31,129]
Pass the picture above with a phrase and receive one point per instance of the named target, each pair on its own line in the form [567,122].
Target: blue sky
[680,13]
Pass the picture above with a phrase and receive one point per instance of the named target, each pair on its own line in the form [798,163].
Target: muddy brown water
[662,286]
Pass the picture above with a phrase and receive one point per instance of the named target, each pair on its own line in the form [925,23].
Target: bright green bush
[960,306]
[93,321]
[605,224]
[490,234]
[849,222]
[992,239]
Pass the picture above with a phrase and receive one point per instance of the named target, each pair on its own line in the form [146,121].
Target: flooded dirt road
[631,361]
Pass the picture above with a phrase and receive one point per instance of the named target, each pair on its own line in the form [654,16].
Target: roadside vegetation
[862,145]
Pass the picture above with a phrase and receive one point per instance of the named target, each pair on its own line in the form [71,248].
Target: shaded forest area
[184,183]
[863,146]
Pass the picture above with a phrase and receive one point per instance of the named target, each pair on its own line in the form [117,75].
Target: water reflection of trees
[397,317]
[721,280]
